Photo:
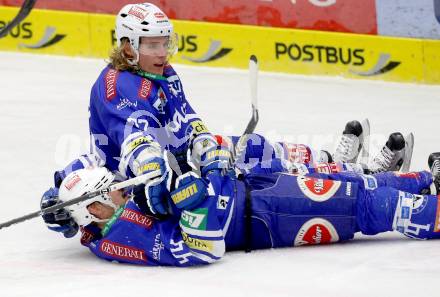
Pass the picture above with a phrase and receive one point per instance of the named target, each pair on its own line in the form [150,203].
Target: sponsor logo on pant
[316,231]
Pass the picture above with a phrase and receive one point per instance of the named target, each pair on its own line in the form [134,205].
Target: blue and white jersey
[130,113]
[188,238]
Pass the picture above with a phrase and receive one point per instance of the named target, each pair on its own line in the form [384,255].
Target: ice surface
[43,124]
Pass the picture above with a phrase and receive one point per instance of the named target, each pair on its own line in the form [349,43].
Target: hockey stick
[130,182]
[22,14]
[409,147]
[253,79]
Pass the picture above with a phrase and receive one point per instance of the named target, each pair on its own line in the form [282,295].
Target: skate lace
[344,150]
[435,169]
[382,161]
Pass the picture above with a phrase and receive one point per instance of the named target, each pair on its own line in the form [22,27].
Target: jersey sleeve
[199,238]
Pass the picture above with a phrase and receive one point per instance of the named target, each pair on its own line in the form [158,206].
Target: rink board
[224,45]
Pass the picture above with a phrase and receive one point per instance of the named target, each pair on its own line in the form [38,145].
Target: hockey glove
[156,194]
[190,191]
[152,198]
[60,220]
[215,159]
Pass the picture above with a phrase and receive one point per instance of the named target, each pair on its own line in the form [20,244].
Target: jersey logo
[161,101]
[222,202]
[198,127]
[145,89]
[198,244]
[316,231]
[328,168]
[298,153]
[110,84]
[413,175]
[157,247]
[135,217]
[196,219]
[123,252]
[86,237]
[318,190]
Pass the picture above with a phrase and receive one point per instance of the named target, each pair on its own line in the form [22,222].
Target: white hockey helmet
[143,20]
[81,182]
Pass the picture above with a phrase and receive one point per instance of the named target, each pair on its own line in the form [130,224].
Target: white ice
[44,124]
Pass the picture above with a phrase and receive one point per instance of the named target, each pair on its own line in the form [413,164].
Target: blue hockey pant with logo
[279,210]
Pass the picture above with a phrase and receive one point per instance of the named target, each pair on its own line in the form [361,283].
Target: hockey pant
[289,210]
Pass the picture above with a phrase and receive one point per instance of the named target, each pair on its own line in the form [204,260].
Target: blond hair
[118,59]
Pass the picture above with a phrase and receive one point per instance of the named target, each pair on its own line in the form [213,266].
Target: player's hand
[156,194]
[189,192]
[152,198]
[216,159]
[60,220]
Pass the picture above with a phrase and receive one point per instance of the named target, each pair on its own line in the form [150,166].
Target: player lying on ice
[195,220]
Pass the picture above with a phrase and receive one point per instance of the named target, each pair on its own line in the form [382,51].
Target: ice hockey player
[221,213]
[138,109]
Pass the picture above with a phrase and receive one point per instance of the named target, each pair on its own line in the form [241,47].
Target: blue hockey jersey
[128,110]
[187,238]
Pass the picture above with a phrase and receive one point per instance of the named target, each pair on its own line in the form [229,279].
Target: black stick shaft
[21,15]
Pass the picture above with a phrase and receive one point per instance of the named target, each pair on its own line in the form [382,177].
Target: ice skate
[350,143]
[391,156]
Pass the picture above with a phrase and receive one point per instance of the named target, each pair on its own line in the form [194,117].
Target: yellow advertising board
[225,45]
[47,32]
[431,53]
[302,52]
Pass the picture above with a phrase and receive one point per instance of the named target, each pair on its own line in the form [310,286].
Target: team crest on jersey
[419,203]
[161,101]
[318,189]
[316,231]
